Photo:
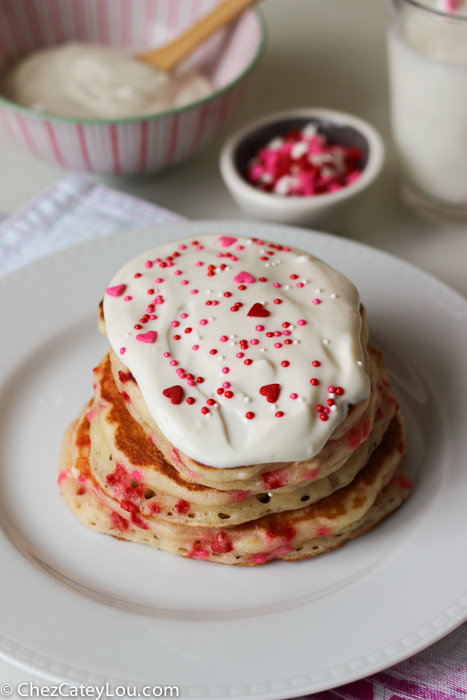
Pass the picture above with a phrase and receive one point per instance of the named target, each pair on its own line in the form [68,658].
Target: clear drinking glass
[427,44]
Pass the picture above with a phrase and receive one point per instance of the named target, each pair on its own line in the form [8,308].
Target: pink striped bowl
[137,145]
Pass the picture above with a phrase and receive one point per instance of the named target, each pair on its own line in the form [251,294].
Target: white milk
[428,77]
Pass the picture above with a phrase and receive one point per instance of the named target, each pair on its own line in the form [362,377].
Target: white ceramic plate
[81,607]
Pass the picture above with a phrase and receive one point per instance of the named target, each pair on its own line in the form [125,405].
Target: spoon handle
[169,56]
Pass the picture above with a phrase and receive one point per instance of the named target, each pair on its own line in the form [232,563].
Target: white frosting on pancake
[311,311]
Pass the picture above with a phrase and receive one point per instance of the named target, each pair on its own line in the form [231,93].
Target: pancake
[121,453]
[377,490]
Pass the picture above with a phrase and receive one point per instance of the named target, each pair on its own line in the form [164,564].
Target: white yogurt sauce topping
[92,81]
[245,351]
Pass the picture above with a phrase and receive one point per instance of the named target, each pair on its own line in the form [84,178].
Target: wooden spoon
[169,56]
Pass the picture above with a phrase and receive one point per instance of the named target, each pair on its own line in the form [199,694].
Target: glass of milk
[427,43]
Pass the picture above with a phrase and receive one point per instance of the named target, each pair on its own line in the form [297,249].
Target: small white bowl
[320,209]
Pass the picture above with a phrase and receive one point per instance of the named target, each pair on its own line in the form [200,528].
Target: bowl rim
[46,116]
[235,182]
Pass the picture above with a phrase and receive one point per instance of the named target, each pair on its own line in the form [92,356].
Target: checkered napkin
[76,210]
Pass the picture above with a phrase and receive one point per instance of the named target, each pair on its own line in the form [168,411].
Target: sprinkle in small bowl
[306,166]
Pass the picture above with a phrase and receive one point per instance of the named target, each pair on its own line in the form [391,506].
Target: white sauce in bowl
[99,82]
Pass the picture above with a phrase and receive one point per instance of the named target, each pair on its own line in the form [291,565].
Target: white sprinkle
[334,408]
[333,296]
[331,395]
[326,341]
[267,265]
[221,294]
[208,415]
[300,399]
[232,343]
[208,291]
[247,399]
[270,494]
[249,242]
[359,363]
[233,336]
[318,291]
[221,358]
[227,267]
[262,350]
[295,342]
[211,318]
[299,149]
[309,131]
[275,143]
[127,335]
[287,286]
[304,281]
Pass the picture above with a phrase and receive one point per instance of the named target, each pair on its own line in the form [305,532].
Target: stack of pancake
[130,468]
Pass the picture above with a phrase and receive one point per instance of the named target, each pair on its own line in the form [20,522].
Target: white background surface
[324,53]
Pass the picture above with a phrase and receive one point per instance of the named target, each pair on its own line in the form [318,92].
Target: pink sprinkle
[301,322]
[240,355]
[174,363]
[226,385]
[244,277]
[159,300]
[194,291]
[277,333]
[156,260]
[286,333]
[260,328]
[122,351]
[191,382]
[233,258]
[158,280]
[255,341]
[177,272]
[238,247]
[195,347]
[225,370]
[169,263]
[277,345]
[223,338]
[182,247]
[287,250]
[184,282]
[152,317]
[148,263]
[199,263]
[225,241]
[175,324]
[322,532]
[331,390]
[180,371]
[220,255]
[199,247]
[166,354]
[294,396]
[149,337]
[203,321]
[276,284]
[215,303]
[183,315]
[63,475]
[300,285]
[326,410]
[127,298]
[315,301]
[116,291]
[259,558]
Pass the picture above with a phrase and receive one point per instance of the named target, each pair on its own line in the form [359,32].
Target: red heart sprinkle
[174,393]
[258,310]
[271,392]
